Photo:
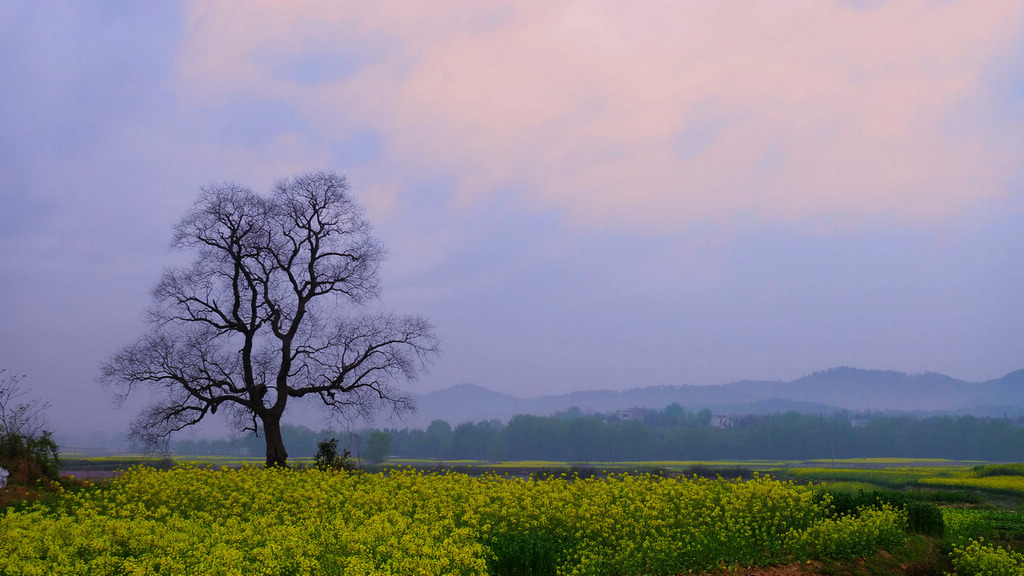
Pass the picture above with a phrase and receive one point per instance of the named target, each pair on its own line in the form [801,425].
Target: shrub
[29,459]
[922,517]
[853,536]
[981,559]
[27,451]
[327,457]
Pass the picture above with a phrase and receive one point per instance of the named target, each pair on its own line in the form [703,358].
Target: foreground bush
[279,521]
[922,517]
[981,559]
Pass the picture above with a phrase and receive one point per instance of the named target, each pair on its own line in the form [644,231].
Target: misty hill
[828,391]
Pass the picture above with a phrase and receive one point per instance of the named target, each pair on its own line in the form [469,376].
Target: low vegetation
[328,517]
[280,521]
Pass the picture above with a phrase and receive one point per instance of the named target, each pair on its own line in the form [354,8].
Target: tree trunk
[276,454]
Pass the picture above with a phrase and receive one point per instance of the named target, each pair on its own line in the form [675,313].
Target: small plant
[327,457]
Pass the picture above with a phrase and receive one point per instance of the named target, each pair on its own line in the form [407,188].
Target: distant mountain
[466,403]
[832,390]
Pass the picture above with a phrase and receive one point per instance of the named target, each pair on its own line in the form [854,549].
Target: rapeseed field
[249,520]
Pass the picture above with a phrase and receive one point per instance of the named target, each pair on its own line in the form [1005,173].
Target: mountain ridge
[825,391]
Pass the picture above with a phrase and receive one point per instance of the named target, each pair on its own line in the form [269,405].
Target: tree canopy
[273,307]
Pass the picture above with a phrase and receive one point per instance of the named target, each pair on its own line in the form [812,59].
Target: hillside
[844,388]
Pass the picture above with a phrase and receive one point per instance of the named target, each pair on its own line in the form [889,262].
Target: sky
[578,195]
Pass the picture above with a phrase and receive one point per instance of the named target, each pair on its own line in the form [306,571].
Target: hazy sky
[578,194]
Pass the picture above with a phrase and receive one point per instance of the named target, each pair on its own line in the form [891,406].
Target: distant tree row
[669,434]
[676,434]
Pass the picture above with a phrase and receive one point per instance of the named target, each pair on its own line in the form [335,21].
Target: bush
[853,536]
[980,559]
[922,517]
[27,451]
[327,457]
[29,459]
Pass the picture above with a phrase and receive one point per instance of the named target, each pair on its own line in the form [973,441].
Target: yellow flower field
[305,522]
[1007,483]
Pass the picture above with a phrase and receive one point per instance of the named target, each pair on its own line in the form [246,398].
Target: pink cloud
[802,109]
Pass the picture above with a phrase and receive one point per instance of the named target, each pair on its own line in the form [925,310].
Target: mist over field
[579,197]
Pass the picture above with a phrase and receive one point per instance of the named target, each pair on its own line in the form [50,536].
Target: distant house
[631,414]
[721,421]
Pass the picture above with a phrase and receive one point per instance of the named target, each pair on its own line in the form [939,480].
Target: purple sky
[579,195]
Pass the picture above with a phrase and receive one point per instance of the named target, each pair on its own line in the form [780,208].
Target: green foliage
[922,517]
[30,458]
[327,457]
[528,552]
[854,536]
[965,524]
[678,435]
[981,559]
[378,446]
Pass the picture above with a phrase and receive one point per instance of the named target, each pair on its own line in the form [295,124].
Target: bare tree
[264,315]
[19,417]
[26,448]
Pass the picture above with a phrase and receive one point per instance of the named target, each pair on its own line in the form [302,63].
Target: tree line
[675,434]
[672,434]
